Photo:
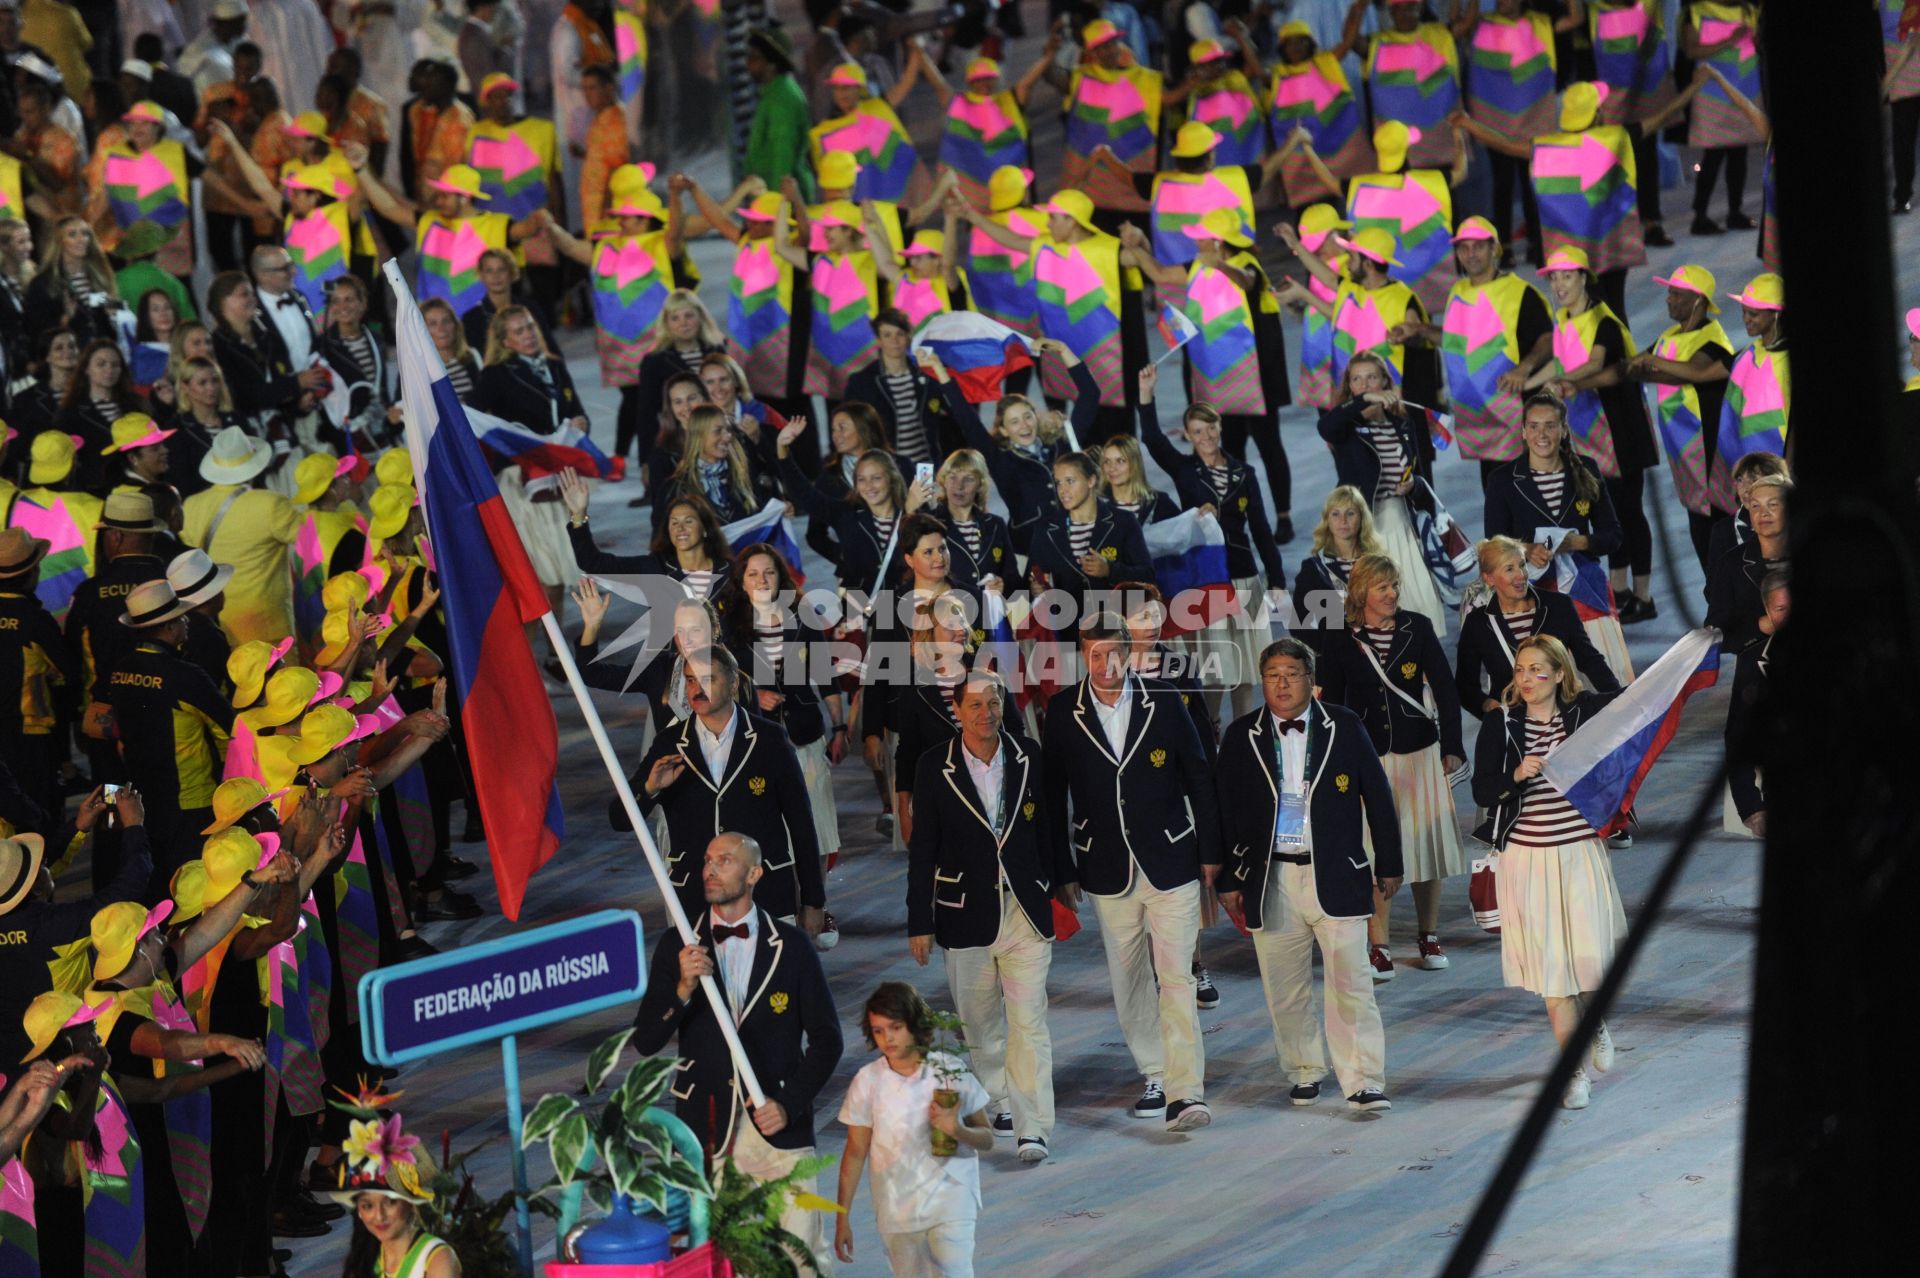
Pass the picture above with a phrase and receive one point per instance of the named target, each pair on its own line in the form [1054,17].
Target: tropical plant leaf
[644,1084]
[626,1165]
[653,1137]
[685,1175]
[600,1194]
[570,1141]
[603,1058]
[546,1116]
[651,1189]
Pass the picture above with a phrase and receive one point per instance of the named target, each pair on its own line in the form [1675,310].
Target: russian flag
[1582,579]
[490,593]
[1190,565]
[541,458]
[1176,330]
[772,526]
[997,648]
[979,352]
[1600,767]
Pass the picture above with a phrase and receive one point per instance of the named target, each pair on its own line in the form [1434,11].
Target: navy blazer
[1117,537]
[1152,808]
[1179,670]
[1514,509]
[1025,480]
[1502,744]
[513,391]
[854,529]
[788,1027]
[1242,511]
[1734,603]
[1355,462]
[1483,664]
[802,711]
[996,549]
[956,863]
[864,387]
[592,559]
[831,483]
[1344,783]
[1348,678]
[763,795]
[1318,575]
[1747,717]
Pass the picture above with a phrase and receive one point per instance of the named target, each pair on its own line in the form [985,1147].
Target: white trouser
[1149,935]
[1292,922]
[945,1251]
[1002,987]
[761,1161]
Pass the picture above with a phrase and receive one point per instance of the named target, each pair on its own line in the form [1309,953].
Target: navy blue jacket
[1514,509]
[1117,537]
[1483,665]
[1355,462]
[996,549]
[1242,511]
[1025,480]
[1318,575]
[1348,678]
[1345,783]
[1502,744]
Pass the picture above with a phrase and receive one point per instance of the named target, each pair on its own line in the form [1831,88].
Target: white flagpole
[564,651]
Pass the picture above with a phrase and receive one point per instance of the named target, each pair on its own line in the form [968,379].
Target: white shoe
[1602,1053]
[1579,1091]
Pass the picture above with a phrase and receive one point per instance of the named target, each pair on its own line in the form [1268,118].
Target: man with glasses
[1295,778]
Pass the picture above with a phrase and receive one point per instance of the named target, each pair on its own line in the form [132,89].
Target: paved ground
[1644,1181]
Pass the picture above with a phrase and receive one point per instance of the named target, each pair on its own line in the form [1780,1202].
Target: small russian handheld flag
[772,526]
[1176,330]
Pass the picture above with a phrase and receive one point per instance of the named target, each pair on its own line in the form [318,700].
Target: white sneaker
[1602,1053]
[1579,1091]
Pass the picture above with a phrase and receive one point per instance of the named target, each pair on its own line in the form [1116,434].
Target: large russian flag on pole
[979,352]
[772,526]
[1600,767]
[490,593]
[1190,566]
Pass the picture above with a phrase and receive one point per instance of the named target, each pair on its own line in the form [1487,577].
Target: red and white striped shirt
[1546,819]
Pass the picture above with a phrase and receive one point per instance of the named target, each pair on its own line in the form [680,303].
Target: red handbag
[1483,893]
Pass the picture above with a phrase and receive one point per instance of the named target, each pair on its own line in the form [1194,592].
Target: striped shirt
[769,641]
[1551,485]
[949,685]
[1519,624]
[1546,819]
[1381,641]
[909,430]
[1138,509]
[968,532]
[1218,479]
[883,528]
[1080,536]
[460,377]
[1385,442]
[360,349]
[699,582]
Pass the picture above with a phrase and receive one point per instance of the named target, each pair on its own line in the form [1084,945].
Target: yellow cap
[496,82]
[388,509]
[233,799]
[1567,259]
[1295,30]
[1391,139]
[49,1014]
[117,931]
[394,467]
[1008,187]
[849,74]
[764,208]
[841,213]
[1077,205]
[333,637]
[1205,51]
[313,476]
[1476,228]
[982,69]
[1097,33]
[248,664]
[1764,292]
[1580,104]
[51,457]
[629,178]
[325,730]
[310,124]
[1375,243]
[288,694]
[929,242]
[837,171]
[1194,139]
[227,856]
[345,591]
[1692,279]
[1320,221]
[460,179]
[1218,224]
[189,889]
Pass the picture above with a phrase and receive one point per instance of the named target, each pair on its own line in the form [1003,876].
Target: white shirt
[1114,718]
[989,778]
[716,748]
[293,325]
[1293,754]
[912,1189]
[735,958]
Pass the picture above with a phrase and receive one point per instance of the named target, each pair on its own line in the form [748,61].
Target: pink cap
[1913,323]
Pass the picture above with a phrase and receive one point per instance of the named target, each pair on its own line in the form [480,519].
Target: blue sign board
[485,992]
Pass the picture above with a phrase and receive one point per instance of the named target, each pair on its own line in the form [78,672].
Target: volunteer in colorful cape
[1560,912]
[99,396]
[74,288]
[1390,670]
[901,391]
[1757,408]
[1220,93]
[1315,243]
[867,128]
[52,486]
[1553,489]
[689,545]
[1212,480]
[1025,439]
[387,1179]
[1512,610]
[714,466]
[1000,277]
[149,178]
[765,311]
[1111,102]
[1494,331]
[1088,285]
[1123,477]
[1310,91]
[1344,533]
[839,175]
[1734,601]
[845,293]
[1375,436]
[1633,60]
[1900,86]
[518,159]
[139,460]
[450,233]
[1372,313]
[319,213]
[332,537]
[56,360]
[979,540]
[1585,178]
[930,281]
[1413,77]
[1191,187]
[1722,36]
[1688,366]
[1510,81]
[238,522]
[1607,416]
[1749,720]
[1414,206]
[986,123]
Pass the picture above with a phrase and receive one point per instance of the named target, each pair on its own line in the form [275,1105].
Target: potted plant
[946,1056]
[618,1153]
[745,1227]
[474,1226]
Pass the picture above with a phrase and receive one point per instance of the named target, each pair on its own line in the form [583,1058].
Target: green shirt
[777,142]
[138,279]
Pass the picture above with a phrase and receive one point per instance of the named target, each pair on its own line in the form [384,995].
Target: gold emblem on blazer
[999,552]
[1027,809]
[1407,668]
[778,1002]
[1158,758]
[1341,782]
[1109,552]
[1243,503]
[979,636]
[758,785]
[1582,506]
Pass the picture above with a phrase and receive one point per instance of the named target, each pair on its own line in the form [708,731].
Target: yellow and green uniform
[173,726]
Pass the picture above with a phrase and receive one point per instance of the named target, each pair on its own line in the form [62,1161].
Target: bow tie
[721,932]
[1292,725]
[288,299]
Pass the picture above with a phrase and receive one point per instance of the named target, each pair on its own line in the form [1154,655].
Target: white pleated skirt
[543,531]
[819,774]
[1560,917]
[1611,640]
[1394,525]
[1429,825]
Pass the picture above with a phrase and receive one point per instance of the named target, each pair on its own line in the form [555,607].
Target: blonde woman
[450,342]
[1560,912]
[1389,669]
[683,334]
[714,465]
[1123,479]
[1515,611]
[16,272]
[202,408]
[74,286]
[1344,533]
[979,540]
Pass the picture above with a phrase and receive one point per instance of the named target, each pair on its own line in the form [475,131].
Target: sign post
[496,991]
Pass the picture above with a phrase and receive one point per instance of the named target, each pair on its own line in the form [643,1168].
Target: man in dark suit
[1122,752]
[777,996]
[724,771]
[1296,776]
[980,876]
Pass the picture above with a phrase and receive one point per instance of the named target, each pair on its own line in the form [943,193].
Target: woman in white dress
[1560,912]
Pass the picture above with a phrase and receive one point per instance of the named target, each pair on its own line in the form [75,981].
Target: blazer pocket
[781,865]
[1360,863]
[960,904]
[1174,836]
[678,1092]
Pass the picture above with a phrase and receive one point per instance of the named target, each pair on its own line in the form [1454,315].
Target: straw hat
[1218,224]
[134,430]
[20,860]
[117,931]
[152,604]
[460,179]
[248,665]
[234,798]
[837,171]
[380,1157]
[129,512]
[1692,279]
[1195,139]
[1074,204]
[51,1013]
[1764,292]
[195,578]
[50,456]
[235,458]
[1008,187]
[20,552]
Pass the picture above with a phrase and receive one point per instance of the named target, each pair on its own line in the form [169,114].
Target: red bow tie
[722,932]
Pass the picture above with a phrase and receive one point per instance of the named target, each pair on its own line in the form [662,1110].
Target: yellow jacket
[254,536]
